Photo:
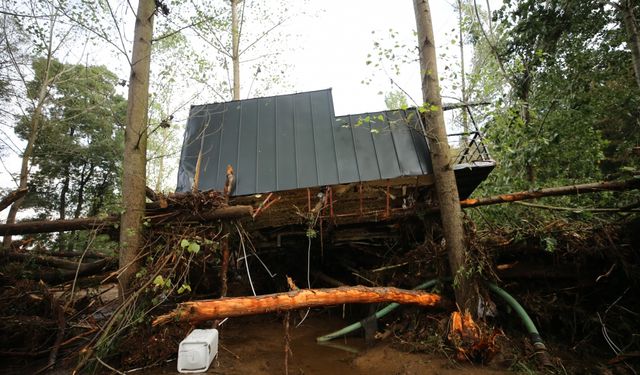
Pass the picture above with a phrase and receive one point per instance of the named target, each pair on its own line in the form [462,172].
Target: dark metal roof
[294,141]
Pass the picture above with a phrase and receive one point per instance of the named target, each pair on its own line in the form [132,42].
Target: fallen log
[57,276]
[552,192]
[46,260]
[195,311]
[12,197]
[90,223]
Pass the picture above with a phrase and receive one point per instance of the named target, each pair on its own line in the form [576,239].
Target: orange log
[554,191]
[195,311]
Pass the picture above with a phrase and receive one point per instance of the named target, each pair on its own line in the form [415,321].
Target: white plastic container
[197,351]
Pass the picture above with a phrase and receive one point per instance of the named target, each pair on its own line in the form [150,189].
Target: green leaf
[184,288]
[184,243]
[193,248]
[158,281]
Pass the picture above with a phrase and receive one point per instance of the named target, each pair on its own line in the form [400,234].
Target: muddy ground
[255,345]
[582,296]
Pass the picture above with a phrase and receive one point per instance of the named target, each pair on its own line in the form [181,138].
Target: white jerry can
[197,351]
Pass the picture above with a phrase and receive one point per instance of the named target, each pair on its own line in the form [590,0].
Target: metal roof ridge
[263,97]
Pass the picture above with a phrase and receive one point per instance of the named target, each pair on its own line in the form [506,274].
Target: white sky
[328,49]
[336,43]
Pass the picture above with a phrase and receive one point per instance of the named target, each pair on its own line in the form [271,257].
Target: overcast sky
[337,40]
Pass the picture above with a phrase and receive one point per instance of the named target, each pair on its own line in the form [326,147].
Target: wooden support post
[387,210]
[224,264]
[330,202]
[360,193]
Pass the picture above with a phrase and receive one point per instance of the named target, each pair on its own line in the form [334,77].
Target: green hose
[531,327]
[526,320]
[379,314]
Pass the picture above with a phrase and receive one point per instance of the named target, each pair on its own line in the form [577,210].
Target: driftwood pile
[188,238]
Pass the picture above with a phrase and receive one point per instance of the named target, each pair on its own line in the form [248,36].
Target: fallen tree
[552,192]
[58,275]
[195,311]
[46,261]
[90,223]
[155,217]
[12,197]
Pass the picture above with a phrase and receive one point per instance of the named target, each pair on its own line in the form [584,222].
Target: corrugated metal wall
[294,141]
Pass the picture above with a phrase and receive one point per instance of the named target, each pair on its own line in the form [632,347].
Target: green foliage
[311,233]
[395,100]
[565,108]
[191,246]
[79,147]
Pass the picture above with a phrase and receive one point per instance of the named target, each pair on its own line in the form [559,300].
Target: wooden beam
[196,311]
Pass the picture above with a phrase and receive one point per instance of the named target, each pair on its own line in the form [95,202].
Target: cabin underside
[353,212]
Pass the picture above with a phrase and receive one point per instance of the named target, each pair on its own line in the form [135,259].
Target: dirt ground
[255,345]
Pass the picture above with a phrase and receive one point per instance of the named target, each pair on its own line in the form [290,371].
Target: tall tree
[135,147]
[41,22]
[466,290]
[235,48]
[79,150]
[627,9]
[463,76]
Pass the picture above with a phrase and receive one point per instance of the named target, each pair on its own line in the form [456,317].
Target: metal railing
[472,148]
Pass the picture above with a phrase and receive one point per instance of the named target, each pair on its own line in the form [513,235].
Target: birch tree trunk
[465,288]
[463,78]
[135,147]
[26,157]
[235,53]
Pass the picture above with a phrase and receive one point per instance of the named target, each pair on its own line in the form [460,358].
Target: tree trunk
[62,209]
[24,172]
[463,79]
[34,127]
[196,311]
[554,191]
[135,147]
[630,23]
[12,197]
[97,223]
[235,53]
[98,199]
[465,287]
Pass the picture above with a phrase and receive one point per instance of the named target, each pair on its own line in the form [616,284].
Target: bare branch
[264,35]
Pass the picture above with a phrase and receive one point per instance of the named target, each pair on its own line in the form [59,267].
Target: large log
[56,275]
[555,191]
[48,261]
[49,226]
[196,311]
[12,197]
